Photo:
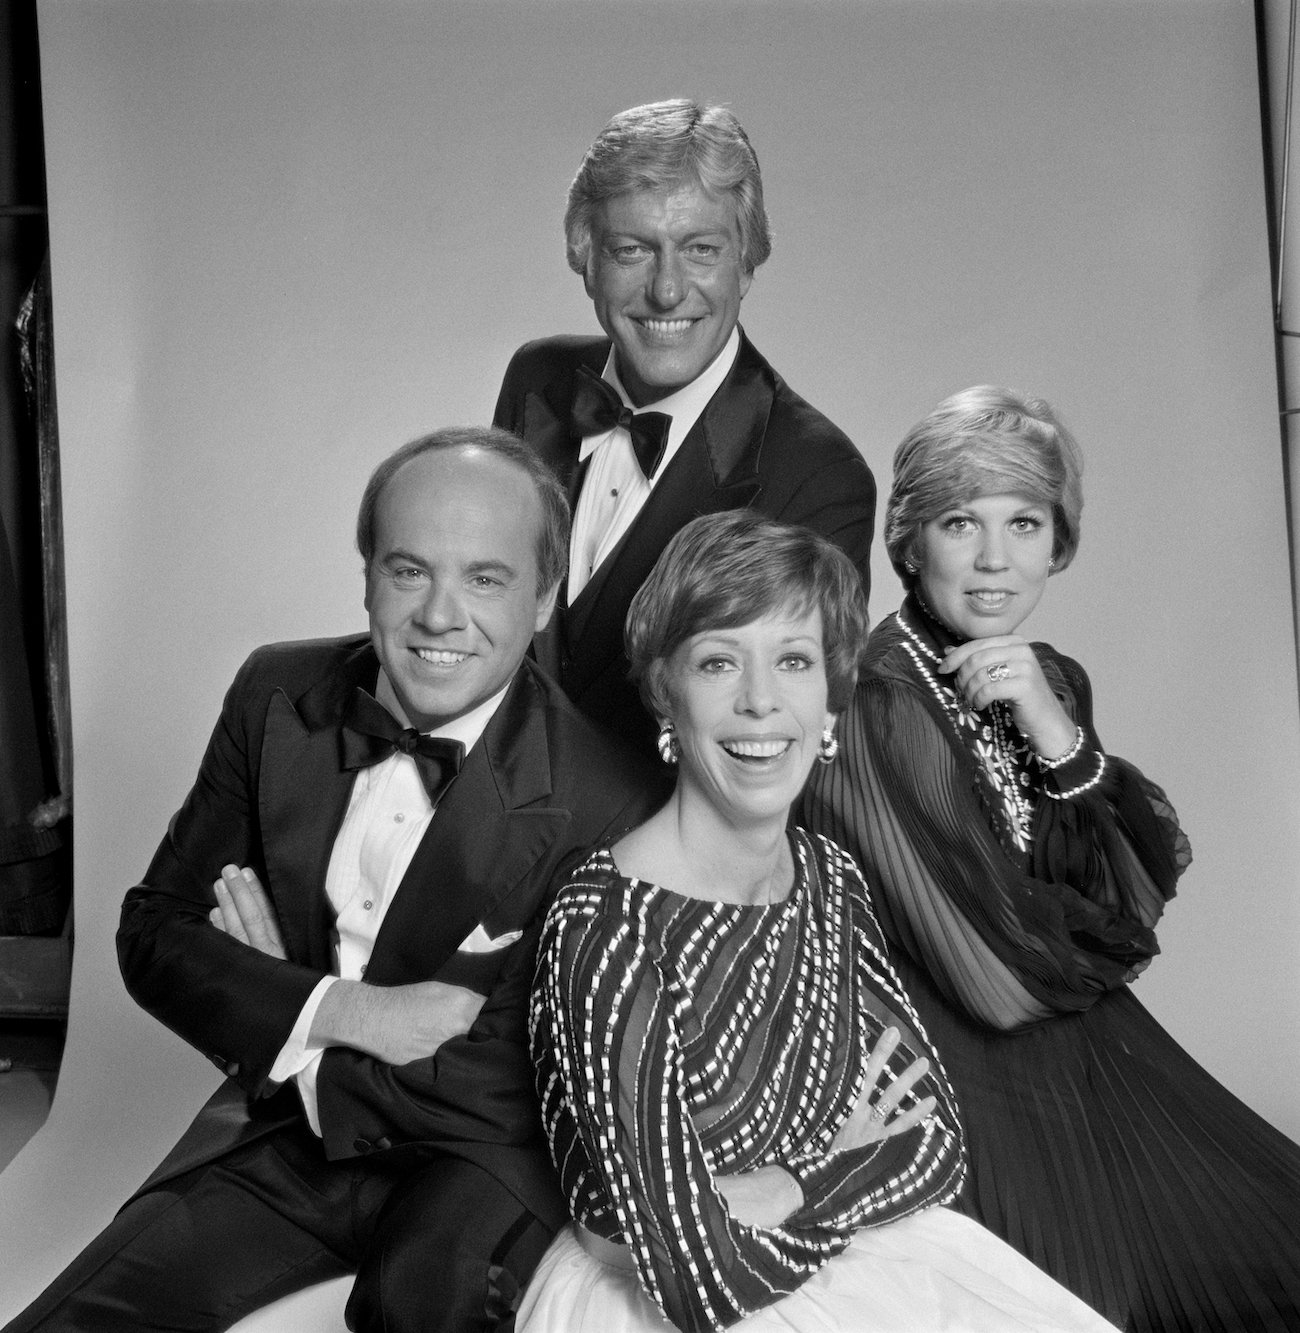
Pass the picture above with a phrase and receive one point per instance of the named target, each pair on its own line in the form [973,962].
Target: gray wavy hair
[660,146]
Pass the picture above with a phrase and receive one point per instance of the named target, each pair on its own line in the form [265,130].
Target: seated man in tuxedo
[382,816]
[666,225]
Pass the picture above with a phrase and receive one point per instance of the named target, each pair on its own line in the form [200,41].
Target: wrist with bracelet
[1074,753]
[1075,746]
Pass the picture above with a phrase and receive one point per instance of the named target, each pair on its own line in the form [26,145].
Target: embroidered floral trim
[991,735]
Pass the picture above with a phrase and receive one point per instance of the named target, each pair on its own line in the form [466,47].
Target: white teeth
[756,749]
[667,325]
[440,656]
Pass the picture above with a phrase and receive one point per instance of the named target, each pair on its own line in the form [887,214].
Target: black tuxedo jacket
[757,444]
[271,793]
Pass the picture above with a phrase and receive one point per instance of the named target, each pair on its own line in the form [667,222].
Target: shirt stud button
[368,904]
[399,818]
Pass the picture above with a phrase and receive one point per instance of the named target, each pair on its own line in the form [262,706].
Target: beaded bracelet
[1075,746]
[1083,786]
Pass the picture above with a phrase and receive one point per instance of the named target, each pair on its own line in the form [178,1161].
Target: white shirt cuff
[299,1059]
[305,1078]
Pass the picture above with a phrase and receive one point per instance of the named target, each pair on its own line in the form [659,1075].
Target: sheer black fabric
[1098,1147]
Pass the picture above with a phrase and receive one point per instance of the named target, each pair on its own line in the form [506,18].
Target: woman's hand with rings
[878,1114]
[1005,667]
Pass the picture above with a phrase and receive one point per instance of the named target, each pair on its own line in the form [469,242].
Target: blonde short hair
[984,441]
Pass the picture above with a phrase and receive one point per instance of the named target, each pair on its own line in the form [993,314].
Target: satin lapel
[547,429]
[547,416]
[734,427]
[491,829]
[716,469]
[302,798]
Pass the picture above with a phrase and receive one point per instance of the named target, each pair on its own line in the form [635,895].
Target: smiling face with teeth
[749,706]
[452,585]
[984,564]
[667,275]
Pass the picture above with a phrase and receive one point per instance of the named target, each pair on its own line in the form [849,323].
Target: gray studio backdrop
[287,236]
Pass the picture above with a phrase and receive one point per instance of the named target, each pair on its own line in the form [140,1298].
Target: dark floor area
[30,1051]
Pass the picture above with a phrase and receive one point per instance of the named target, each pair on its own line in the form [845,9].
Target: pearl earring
[829,747]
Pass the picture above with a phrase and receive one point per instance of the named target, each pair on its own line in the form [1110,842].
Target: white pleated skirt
[935,1272]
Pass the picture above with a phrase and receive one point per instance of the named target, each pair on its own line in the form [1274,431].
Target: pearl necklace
[999,747]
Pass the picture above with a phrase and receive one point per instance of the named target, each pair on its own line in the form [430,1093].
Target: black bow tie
[371,733]
[598,408]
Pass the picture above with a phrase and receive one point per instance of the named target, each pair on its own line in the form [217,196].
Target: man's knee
[453,1252]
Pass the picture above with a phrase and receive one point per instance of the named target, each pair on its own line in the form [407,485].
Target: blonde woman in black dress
[1018,870]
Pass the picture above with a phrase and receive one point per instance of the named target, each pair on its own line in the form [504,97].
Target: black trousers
[437,1245]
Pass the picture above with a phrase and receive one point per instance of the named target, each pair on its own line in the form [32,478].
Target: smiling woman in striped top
[736,1089]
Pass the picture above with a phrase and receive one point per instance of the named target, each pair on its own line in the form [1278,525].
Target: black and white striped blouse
[675,1039]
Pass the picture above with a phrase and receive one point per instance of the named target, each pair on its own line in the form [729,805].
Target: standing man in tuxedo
[673,413]
[382,816]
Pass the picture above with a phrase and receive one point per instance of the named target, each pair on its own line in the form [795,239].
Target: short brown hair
[725,570]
